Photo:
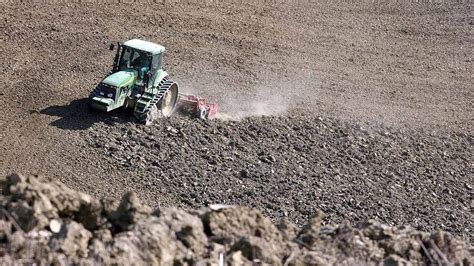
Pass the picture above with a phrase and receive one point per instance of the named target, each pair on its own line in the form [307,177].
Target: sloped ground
[49,223]
[289,167]
[407,66]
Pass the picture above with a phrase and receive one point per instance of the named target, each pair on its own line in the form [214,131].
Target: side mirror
[111,47]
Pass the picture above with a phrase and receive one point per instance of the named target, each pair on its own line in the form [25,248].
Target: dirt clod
[206,236]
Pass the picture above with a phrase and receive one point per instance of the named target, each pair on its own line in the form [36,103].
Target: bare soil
[48,223]
[373,107]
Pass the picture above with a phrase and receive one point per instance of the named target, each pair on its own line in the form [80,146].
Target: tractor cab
[136,74]
[142,57]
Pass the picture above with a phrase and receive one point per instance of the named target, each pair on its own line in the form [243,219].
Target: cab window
[156,62]
[134,59]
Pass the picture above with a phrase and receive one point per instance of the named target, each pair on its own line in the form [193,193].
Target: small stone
[171,129]
[55,226]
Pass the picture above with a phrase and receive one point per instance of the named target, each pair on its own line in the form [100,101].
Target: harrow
[195,106]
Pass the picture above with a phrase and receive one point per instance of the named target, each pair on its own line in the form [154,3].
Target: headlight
[110,95]
[101,93]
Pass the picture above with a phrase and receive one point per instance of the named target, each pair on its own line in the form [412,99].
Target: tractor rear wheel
[169,101]
[165,106]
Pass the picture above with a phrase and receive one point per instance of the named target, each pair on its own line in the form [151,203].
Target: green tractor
[137,81]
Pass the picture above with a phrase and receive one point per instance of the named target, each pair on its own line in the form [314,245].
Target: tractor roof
[149,47]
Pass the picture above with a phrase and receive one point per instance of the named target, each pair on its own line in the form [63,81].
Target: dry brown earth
[401,71]
[48,223]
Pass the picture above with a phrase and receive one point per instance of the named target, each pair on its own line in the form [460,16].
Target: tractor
[138,81]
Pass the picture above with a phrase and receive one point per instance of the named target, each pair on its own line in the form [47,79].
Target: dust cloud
[263,102]
[271,97]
